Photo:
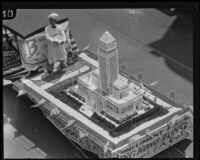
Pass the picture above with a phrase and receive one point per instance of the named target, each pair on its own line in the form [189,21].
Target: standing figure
[56,43]
[8,43]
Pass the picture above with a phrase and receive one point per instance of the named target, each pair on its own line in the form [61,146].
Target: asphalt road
[148,41]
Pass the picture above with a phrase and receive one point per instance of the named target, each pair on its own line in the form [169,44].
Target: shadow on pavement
[183,145]
[176,151]
[177,43]
[32,124]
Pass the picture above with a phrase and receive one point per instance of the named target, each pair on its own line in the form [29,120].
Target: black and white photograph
[89,82]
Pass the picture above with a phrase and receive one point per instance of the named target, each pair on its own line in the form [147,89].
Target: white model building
[108,61]
[104,89]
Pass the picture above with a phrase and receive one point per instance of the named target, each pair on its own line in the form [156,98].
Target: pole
[140,76]
[172,95]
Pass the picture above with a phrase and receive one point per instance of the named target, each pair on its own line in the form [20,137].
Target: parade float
[94,103]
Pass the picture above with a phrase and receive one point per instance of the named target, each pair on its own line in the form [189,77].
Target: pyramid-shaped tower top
[107,38]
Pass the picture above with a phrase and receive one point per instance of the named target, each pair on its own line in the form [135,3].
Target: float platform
[144,139]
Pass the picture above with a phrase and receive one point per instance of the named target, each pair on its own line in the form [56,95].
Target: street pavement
[19,147]
[142,37]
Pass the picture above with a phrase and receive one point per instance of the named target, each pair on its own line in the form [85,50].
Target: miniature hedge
[102,122]
[130,122]
[153,113]
[61,95]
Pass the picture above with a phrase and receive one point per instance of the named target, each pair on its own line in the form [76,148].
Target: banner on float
[158,140]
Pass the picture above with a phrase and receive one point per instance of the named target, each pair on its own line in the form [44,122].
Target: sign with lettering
[157,141]
[34,49]
[85,141]
[92,146]
[34,52]
[9,13]
[71,132]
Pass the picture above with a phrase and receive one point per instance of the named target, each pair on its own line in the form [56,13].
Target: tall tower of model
[108,61]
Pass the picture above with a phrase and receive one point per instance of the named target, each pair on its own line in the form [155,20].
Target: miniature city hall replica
[102,109]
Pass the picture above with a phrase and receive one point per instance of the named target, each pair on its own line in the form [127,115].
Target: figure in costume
[56,43]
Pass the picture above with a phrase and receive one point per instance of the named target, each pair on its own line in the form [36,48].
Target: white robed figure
[56,43]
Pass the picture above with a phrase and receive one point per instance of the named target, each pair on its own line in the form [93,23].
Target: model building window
[137,106]
[108,107]
[111,108]
[123,110]
[101,104]
[130,107]
[117,110]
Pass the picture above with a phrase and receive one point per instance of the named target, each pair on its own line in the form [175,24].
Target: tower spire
[107,38]
[108,61]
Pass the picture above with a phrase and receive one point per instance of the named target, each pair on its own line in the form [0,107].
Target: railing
[138,83]
[11,59]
